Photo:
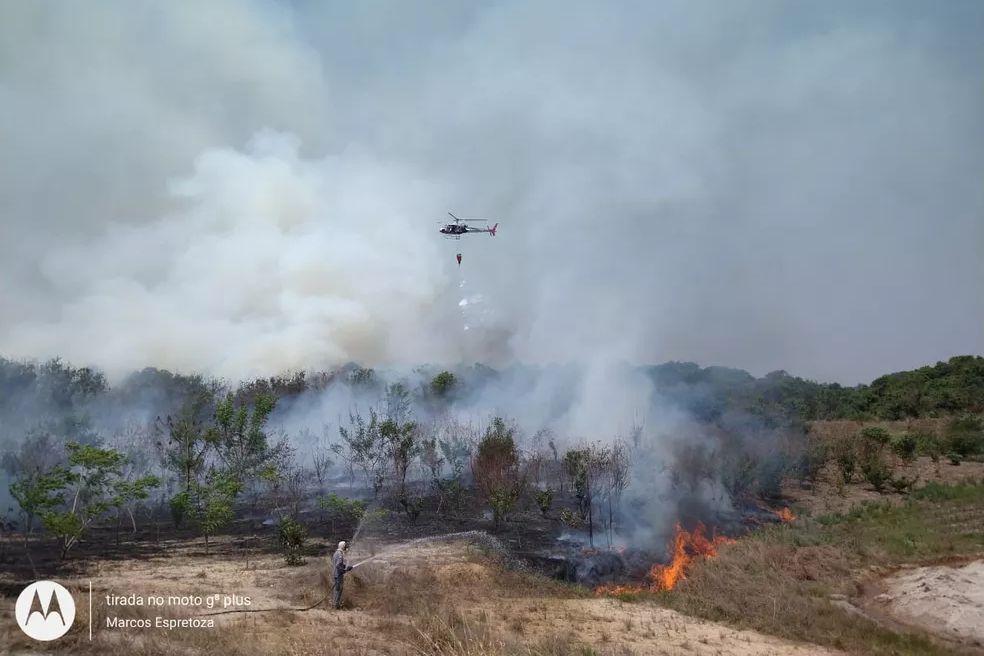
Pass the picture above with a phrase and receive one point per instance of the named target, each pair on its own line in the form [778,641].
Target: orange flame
[785,514]
[665,577]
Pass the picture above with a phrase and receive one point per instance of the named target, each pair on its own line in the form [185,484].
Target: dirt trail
[947,601]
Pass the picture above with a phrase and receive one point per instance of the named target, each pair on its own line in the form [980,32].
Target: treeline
[946,388]
[955,387]
[216,458]
[209,452]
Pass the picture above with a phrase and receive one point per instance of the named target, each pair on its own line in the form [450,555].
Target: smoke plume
[242,188]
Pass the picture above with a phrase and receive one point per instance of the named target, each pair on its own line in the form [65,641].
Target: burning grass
[685,549]
[780,580]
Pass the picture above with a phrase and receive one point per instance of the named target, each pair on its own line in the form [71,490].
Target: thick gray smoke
[245,187]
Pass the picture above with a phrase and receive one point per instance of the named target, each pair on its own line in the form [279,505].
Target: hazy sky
[241,187]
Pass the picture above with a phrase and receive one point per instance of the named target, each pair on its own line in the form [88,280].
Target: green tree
[363,446]
[435,454]
[402,447]
[342,508]
[98,482]
[598,475]
[40,492]
[239,436]
[496,471]
[292,535]
[129,491]
[443,384]
[576,467]
[209,502]
[544,499]
[187,438]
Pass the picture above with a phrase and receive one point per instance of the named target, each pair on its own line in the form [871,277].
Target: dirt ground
[451,589]
[947,600]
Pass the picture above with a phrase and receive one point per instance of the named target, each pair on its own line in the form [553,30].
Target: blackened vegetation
[567,559]
[106,471]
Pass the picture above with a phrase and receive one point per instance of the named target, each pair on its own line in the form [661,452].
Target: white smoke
[672,182]
[277,263]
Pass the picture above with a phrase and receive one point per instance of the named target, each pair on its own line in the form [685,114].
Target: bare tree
[363,447]
[286,482]
[135,440]
[618,479]
[589,471]
[296,478]
[535,464]
[321,460]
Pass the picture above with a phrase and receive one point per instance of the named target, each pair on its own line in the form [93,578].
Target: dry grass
[398,608]
[839,428]
[446,600]
[781,580]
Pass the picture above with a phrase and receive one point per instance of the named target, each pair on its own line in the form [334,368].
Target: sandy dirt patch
[947,601]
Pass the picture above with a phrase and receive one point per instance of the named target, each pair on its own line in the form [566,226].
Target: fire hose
[297,610]
[362,562]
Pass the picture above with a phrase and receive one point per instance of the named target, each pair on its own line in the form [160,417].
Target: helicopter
[460,227]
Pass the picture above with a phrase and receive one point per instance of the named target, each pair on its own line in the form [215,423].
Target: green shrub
[965,437]
[928,444]
[291,535]
[904,447]
[571,518]
[876,434]
[903,484]
[846,457]
[544,499]
[812,461]
[875,468]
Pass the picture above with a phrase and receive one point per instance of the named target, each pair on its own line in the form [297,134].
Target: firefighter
[339,565]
